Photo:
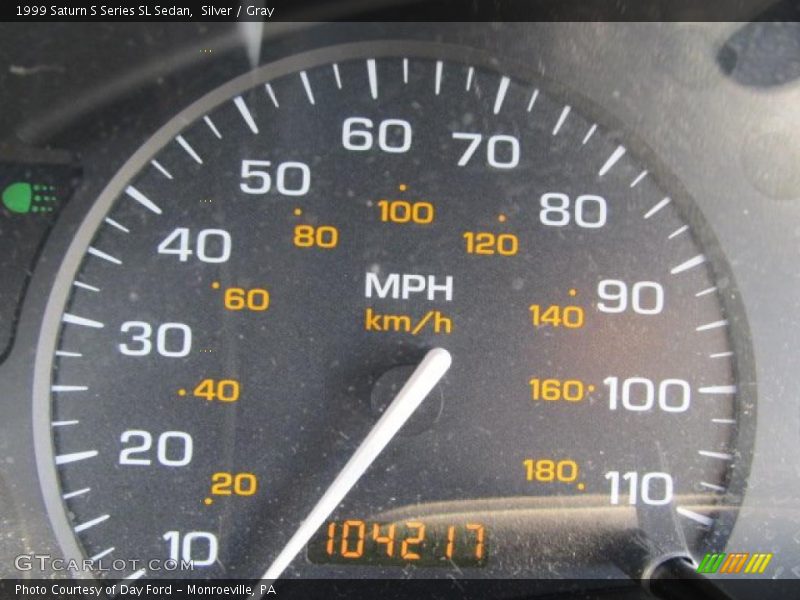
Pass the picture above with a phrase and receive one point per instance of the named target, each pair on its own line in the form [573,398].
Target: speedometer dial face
[251,291]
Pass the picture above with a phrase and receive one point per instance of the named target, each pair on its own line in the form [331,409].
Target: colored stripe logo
[734,563]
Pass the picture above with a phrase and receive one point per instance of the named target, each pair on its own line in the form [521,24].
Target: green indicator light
[23,197]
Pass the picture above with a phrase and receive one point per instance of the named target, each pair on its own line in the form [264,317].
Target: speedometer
[256,285]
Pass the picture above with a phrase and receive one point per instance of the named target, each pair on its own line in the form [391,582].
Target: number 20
[181,442]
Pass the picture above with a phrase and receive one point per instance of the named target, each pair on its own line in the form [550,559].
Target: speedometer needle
[419,385]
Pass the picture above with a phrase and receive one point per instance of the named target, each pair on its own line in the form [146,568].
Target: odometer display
[252,289]
[354,541]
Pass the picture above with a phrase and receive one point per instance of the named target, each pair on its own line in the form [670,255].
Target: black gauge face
[253,289]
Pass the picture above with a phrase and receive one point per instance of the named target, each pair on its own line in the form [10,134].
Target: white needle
[419,385]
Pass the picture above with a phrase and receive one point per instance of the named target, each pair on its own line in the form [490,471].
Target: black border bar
[27,11]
